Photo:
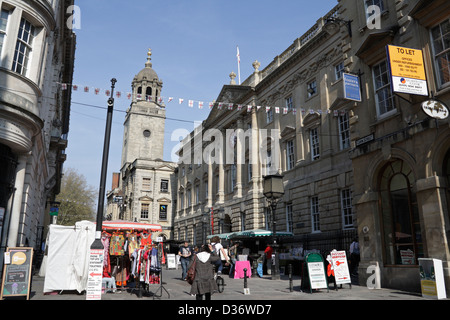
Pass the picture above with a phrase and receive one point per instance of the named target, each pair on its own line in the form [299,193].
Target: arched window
[402,236]
[148,91]
[139,90]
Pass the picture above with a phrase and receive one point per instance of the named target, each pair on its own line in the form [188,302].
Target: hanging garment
[116,245]
[146,240]
[106,260]
[133,243]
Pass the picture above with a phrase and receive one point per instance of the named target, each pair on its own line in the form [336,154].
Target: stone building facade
[400,155]
[379,166]
[37,55]
[146,181]
[293,123]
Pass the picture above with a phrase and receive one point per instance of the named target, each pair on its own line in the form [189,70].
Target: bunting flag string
[211,104]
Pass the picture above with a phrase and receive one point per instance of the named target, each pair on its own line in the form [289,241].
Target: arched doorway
[446,171]
[402,235]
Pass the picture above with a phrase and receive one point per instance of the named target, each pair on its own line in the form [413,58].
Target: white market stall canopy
[128,225]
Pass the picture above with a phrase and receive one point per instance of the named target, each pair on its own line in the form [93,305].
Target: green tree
[77,199]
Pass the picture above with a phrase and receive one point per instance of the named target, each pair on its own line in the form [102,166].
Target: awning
[128,225]
[259,233]
[224,236]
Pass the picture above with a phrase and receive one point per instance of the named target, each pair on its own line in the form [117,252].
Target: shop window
[402,236]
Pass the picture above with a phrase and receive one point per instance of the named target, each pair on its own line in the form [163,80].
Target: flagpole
[239,65]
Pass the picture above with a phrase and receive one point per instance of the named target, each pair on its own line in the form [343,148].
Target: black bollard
[291,286]
[245,278]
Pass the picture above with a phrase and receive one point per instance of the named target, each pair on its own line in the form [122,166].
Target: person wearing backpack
[220,251]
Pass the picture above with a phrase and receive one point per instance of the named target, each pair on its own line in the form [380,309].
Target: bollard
[291,287]
[245,278]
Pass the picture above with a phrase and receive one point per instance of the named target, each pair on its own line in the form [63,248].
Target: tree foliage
[77,199]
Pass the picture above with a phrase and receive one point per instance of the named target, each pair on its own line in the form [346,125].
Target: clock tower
[147,181]
[145,119]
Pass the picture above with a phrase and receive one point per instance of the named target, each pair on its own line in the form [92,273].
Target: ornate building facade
[37,55]
[379,166]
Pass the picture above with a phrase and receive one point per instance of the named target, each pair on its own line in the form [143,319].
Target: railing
[325,241]
[299,43]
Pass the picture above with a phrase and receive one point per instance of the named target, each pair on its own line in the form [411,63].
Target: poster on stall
[340,267]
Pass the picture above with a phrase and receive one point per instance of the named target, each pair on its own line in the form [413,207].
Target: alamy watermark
[74,19]
[373,17]
[228,146]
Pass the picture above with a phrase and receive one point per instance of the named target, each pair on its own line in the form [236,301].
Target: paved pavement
[261,289]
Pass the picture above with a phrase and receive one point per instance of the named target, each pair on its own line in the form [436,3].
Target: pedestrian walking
[185,253]
[354,257]
[220,251]
[204,283]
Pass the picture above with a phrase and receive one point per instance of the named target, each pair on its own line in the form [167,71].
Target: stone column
[17,204]
[239,163]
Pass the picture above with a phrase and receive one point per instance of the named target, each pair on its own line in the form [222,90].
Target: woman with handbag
[203,282]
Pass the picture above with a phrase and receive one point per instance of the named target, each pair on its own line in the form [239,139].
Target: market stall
[130,255]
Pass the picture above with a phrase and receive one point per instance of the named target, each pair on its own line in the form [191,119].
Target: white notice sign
[341,272]
[94,283]
[316,273]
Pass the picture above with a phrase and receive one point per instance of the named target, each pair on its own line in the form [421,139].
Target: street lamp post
[94,284]
[273,190]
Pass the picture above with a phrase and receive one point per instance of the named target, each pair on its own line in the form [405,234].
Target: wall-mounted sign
[407,70]
[435,109]
[352,90]
[365,140]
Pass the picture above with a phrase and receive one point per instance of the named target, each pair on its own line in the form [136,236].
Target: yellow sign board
[407,70]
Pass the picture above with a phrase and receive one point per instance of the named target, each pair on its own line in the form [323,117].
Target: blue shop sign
[352,89]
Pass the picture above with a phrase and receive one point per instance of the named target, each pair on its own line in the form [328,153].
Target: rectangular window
[23,49]
[344,131]
[311,88]
[346,208]
[197,194]
[314,144]
[338,70]
[164,185]
[233,177]
[146,184]
[378,3]
[144,210]
[290,155]
[249,171]
[269,114]
[289,104]
[315,221]
[189,198]
[441,49]
[383,94]
[206,189]
[289,218]
[4,15]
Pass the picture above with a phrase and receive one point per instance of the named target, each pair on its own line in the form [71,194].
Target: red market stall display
[130,255]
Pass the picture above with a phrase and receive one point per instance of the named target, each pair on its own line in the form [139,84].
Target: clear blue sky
[194,51]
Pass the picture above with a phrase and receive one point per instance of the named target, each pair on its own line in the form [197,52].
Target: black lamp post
[273,190]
